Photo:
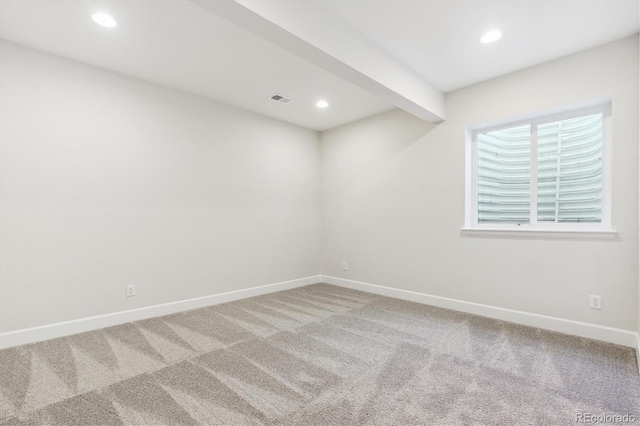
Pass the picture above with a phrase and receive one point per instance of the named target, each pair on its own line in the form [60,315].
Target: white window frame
[535,228]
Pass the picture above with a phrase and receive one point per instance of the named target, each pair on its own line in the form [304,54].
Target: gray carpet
[317,355]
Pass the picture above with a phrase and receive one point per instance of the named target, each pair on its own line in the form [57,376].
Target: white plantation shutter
[570,170]
[504,183]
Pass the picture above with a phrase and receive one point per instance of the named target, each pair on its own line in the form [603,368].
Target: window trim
[554,230]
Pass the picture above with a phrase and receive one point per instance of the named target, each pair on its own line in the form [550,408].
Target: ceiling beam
[313,33]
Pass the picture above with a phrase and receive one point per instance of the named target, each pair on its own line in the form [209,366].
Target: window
[545,173]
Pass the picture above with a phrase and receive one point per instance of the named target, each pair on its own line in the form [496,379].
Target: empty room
[331,212]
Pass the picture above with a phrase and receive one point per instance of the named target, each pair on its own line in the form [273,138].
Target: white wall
[107,181]
[393,199]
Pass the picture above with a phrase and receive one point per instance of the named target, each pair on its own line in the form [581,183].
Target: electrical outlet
[131,290]
[345,267]
[595,302]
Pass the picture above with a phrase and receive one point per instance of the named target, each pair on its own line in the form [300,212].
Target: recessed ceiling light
[491,36]
[322,104]
[104,20]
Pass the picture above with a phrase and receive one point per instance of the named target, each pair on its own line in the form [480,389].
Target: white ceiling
[180,45]
[404,51]
[440,39]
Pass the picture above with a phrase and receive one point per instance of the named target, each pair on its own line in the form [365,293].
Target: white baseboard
[576,328]
[66,328]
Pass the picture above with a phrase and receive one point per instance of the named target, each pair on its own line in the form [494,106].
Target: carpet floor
[316,355]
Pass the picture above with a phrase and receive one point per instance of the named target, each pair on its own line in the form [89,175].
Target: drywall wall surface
[109,181]
[393,199]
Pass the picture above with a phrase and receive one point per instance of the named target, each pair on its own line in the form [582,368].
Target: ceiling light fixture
[104,19]
[491,36]
[322,104]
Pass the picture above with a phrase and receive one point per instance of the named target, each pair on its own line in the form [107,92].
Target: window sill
[593,234]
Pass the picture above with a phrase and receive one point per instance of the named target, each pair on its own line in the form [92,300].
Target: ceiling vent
[280,98]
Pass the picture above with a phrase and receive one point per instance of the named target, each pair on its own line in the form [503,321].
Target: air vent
[280,98]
